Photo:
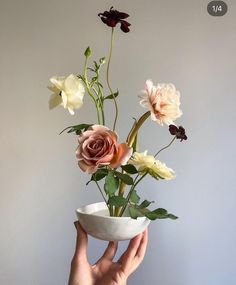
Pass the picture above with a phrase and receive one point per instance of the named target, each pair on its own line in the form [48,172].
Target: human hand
[105,271]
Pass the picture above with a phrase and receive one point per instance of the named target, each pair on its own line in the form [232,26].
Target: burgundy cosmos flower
[179,132]
[113,17]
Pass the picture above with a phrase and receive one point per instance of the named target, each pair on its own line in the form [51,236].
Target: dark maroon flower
[179,132]
[113,17]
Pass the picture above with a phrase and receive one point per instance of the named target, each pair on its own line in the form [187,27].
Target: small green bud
[102,60]
[87,52]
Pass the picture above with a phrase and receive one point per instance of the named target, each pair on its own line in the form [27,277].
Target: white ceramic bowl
[96,221]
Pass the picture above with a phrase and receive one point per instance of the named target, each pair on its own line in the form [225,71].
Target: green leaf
[99,84]
[144,211]
[111,184]
[124,177]
[152,216]
[96,65]
[159,214]
[160,211]
[145,204]
[117,201]
[77,128]
[134,197]
[93,80]
[91,69]
[172,217]
[112,96]
[129,168]
[134,213]
[99,174]
[81,127]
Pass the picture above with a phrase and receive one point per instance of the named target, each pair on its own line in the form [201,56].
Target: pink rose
[98,147]
[163,102]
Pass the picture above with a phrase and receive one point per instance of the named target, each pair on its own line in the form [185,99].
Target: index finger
[142,246]
[81,243]
[129,254]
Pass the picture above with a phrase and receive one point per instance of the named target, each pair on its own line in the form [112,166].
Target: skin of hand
[105,271]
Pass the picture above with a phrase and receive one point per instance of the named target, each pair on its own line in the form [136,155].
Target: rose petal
[58,81]
[123,154]
[54,101]
[87,168]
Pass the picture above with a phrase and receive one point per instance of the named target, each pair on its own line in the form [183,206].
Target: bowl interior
[99,208]
[96,221]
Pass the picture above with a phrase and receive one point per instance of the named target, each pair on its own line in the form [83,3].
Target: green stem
[111,211]
[101,98]
[130,140]
[131,190]
[141,178]
[108,82]
[165,147]
[100,103]
[101,192]
[88,89]
[102,109]
[110,208]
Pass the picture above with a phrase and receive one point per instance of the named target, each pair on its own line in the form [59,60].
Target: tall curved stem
[165,147]
[108,81]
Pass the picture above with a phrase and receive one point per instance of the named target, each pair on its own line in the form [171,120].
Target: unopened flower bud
[87,52]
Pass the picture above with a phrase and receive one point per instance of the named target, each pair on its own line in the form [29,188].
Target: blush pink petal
[103,130]
[98,128]
[107,158]
[149,85]
[163,101]
[123,154]
[85,136]
[98,147]
[87,168]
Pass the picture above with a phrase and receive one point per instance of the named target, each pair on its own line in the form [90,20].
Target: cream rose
[98,147]
[160,170]
[142,161]
[67,91]
[147,163]
[163,101]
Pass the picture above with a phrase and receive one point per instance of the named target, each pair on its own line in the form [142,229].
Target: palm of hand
[109,273]
[105,271]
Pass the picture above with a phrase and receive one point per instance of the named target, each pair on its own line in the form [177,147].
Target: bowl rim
[80,211]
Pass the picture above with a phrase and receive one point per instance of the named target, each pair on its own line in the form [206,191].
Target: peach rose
[163,102]
[98,147]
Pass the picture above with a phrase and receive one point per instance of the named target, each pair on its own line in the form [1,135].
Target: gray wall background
[40,183]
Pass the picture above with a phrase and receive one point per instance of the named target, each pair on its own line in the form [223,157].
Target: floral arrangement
[119,166]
